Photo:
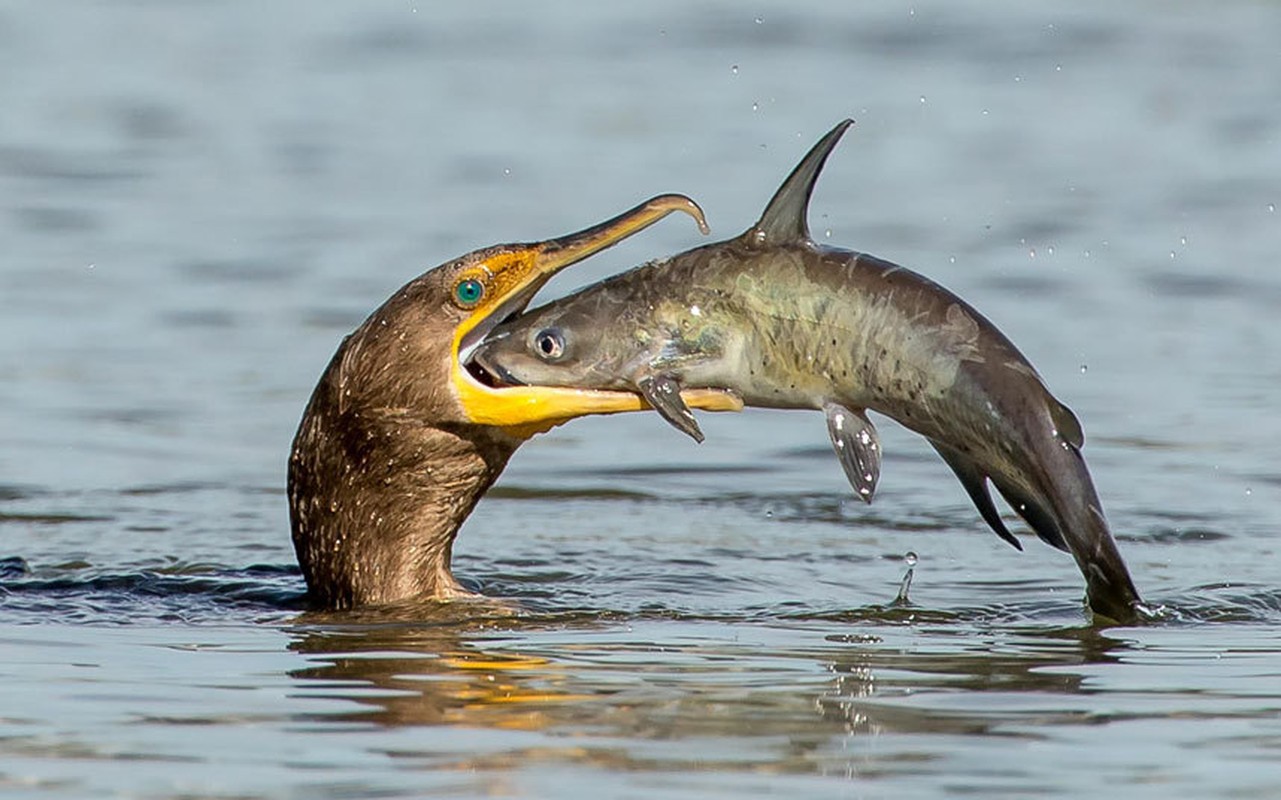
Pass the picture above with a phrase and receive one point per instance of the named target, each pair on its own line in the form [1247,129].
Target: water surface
[199,200]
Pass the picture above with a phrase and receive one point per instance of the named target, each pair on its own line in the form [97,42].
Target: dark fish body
[786,323]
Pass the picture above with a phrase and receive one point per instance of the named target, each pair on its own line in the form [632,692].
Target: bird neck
[377,498]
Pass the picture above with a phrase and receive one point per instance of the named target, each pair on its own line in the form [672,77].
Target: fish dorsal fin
[786,217]
[1067,425]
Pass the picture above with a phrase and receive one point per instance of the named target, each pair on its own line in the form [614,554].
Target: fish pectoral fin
[663,392]
[857,446]
[975,483]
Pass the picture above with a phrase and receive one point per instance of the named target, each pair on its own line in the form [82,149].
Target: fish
[782,321]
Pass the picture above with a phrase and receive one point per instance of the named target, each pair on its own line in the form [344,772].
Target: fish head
[574,343]
[602,338]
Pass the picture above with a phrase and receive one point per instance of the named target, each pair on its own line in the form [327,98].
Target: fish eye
[468,293]
[550,343]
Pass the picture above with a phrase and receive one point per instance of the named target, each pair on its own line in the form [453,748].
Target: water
[198,200]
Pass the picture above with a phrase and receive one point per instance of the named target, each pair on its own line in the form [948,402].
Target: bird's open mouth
[517,273]
[522,270]
[485,377]
[491,375]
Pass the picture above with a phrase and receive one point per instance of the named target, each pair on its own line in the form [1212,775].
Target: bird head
[421,337]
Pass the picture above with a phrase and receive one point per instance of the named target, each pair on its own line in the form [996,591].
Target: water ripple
[189,594]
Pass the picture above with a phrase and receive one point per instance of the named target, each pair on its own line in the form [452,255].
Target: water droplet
[985,112]
[1172,255]
[734,69]
[759,20]
[1058,67]
[1087,254]
[507,170]
[1183,240]
[756,106]
[1249,492]
[951,259]
[903,599]
[1272,207]
[1049,251]
[1031,253]
[922,98]
[828,233]
[1084,367]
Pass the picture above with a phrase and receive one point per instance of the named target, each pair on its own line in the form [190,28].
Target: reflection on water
[198,200]
[797,699]
[617,684]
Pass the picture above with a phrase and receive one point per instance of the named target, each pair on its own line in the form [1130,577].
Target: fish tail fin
[786,218]
[1109,587]
[1065,511]
[1058,501]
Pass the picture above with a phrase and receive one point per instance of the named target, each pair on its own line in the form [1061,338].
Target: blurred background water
[198,200]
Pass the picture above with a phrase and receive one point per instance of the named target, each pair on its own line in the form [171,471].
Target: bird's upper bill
[511,278]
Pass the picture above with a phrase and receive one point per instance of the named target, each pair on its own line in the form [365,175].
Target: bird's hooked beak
[512,276]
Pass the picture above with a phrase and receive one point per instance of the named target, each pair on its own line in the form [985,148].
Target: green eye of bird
[469,292]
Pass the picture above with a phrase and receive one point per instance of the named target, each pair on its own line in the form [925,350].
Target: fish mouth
[492,375]
[482,369]
[516,273]
[479,368]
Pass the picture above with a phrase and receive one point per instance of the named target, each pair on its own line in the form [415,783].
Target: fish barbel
[784,322]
